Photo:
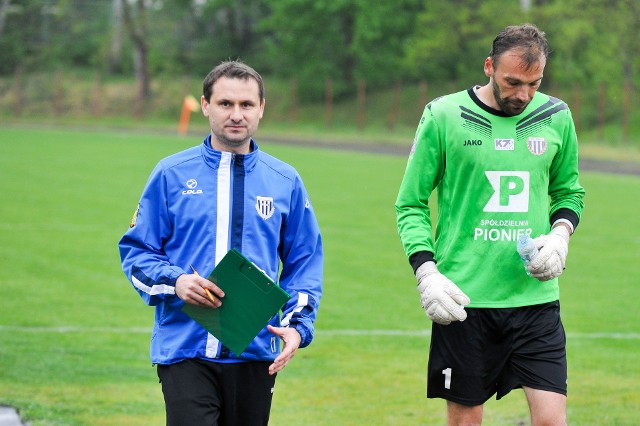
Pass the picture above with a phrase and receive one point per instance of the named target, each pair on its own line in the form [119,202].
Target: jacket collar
[212,156]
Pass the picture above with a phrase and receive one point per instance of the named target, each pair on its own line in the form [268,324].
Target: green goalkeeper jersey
[497,178]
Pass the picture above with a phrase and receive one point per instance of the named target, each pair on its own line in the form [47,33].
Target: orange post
[189,105]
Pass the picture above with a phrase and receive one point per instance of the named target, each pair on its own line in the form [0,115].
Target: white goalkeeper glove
[440,297]
[552,255]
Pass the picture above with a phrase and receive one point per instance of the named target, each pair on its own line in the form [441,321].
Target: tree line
[342,41]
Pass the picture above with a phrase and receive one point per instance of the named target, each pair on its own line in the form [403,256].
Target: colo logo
[191,184]
[511,191]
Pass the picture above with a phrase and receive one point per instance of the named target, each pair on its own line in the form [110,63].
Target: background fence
[604,111]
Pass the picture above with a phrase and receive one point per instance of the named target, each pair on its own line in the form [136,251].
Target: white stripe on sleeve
[153,290]
[303,300]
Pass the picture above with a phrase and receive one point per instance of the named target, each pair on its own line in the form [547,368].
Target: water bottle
[527,248]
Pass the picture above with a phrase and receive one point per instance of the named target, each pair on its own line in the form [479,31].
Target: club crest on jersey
[265,207]
[537,146]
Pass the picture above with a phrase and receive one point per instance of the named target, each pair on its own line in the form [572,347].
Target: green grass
[74,335]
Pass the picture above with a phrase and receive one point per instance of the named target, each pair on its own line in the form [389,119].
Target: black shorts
[199,392]
[496,350]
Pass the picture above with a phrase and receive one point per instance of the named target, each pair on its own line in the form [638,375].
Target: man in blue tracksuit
[197,205]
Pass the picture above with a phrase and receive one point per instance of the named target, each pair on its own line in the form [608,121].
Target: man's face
[512,82]
[234,111]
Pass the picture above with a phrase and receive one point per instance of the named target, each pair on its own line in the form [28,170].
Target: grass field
[74,335]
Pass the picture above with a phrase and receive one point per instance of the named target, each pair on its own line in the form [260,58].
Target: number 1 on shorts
[447,378]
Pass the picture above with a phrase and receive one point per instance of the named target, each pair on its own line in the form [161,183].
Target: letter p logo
[511,192]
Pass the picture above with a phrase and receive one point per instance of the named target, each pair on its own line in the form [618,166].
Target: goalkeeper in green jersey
[503,159]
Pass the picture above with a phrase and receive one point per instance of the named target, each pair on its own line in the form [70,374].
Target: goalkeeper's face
[513,82]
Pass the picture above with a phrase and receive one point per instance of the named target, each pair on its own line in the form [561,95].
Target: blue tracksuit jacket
[197,205]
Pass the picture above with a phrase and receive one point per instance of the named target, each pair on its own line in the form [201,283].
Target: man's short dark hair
[231,69]
[527,37]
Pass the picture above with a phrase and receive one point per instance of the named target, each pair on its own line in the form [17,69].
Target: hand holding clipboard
[251,300]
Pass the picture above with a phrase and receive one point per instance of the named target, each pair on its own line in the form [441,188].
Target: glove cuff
[426,269]
[562,232]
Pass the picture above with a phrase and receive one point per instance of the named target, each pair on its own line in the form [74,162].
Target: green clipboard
[251,299]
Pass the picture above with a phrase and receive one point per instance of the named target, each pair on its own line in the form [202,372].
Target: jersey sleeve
[302,259]
[141,248]
[565,192]
[423,173]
